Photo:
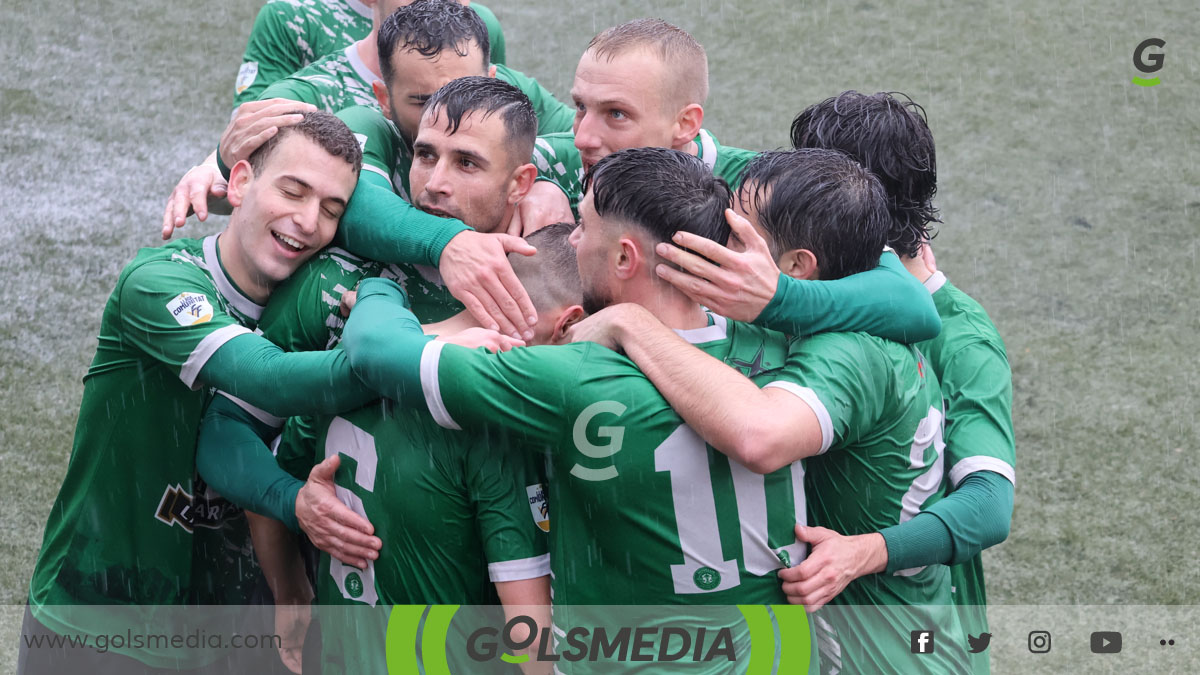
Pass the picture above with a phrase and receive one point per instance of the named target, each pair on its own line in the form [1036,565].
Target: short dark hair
[822,201]
[324,129]
[428,27]
[551,276]
[485,96]
[890,137]
[662,191]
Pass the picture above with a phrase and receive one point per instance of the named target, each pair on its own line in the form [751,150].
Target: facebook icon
[922,642]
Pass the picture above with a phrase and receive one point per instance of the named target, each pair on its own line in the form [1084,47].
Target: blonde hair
[684,58]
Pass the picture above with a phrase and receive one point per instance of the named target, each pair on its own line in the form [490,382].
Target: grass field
[1071,202]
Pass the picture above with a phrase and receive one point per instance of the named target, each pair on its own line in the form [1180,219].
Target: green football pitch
[1071,201]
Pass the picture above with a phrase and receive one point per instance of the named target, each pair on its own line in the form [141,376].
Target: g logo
[1148,64]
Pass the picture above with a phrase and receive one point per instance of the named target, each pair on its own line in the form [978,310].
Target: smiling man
[127,523]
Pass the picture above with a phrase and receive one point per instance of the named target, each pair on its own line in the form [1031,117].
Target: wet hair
[483,97]
[687,64]
[661,191]
[822,201]
[551,276]
[891,137]
[428,27]
[320,127]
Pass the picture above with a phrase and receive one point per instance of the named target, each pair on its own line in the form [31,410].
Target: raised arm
[763,429]
[745,284]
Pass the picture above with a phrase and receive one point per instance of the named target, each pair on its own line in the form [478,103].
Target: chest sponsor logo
[246,75]
[190,309]
[539,506]
[179,507]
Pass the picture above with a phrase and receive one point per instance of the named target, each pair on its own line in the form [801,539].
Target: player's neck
[674,309]
[369,52]
[455,324]
[237,269]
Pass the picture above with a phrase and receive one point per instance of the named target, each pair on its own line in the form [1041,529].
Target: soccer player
[472,151]
[128,520]
[290,34]
[462,516]
[376,223]
[866,412]
[644,511]
[639,84]
[890,136]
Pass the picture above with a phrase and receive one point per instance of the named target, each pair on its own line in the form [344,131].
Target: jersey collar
[707,146]
[717,330]
[225,285]
[935,282]
[360,69]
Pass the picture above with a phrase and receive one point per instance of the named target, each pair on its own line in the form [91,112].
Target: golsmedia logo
[1148,62]
[625,643]
[772,638]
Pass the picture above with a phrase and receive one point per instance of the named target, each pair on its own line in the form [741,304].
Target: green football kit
[333,82]
[558,161]
[682,524]
[131,525]
[880,463]
[972,365]
[456,512]
[291,34]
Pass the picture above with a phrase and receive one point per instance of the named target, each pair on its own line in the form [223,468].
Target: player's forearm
[976,515]
[278,554]
[728,410]
[232,456]
[887,302]
[528,597]
[384,342]
[379,225]
[283,383]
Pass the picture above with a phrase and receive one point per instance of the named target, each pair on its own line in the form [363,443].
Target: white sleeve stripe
[518,570]
[935,282]
[204,351]
[810,397]
[431,356]
[969,465]
[381,172]
[259,414]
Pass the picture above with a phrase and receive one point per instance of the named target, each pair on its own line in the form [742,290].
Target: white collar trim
[718,330]
[364,73]
[224,286]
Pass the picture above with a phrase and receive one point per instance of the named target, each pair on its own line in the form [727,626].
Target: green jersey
[970,361]
[290,34]
[331,83]
[558,160]
[880,463]
[705,530]
[130,511]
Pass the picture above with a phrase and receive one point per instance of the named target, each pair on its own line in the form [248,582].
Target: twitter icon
[980,643]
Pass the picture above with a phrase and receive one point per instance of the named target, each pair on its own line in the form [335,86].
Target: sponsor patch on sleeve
[539,506]
[190,309]
[246,75]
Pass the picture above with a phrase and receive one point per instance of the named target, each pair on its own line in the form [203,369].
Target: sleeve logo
[362,142]
[190,309]
[246,75]
[539,506]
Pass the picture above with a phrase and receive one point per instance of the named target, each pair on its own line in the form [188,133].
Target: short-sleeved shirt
[290,34]
[880,464]
[558,160]
[125,522]
[972,365]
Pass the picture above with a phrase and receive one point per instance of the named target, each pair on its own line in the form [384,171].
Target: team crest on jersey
[246,75]
[190,309]
[539,505]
